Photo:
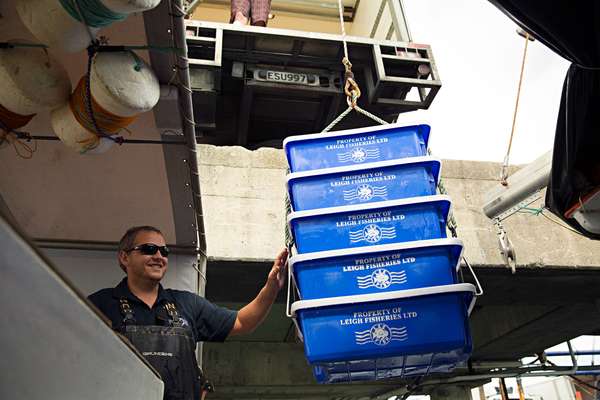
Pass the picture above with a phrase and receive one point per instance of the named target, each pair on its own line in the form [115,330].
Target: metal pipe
[577,353]
[405,21]
[588,372]
[539,370]
[125,141]
[523,372]
[531,371]
[189,132]
[522,184]
[399,20]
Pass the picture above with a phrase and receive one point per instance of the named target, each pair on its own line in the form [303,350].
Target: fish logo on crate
[365,193]
[381,279]
[372,234]
[358,155]
[381,335]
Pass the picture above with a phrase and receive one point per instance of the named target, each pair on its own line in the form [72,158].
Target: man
[165,324]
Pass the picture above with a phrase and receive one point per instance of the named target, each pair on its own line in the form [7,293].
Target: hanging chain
[351,88]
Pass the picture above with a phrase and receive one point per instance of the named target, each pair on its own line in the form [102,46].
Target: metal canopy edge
[163,28]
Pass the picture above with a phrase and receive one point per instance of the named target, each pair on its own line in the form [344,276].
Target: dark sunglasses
[150,249]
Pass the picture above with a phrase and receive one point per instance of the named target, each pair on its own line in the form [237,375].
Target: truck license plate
[286,77]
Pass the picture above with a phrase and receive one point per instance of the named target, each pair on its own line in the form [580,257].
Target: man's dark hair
[128,239]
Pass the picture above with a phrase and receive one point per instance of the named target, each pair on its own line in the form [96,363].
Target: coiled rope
[98,121]
[91,12]
[95,14]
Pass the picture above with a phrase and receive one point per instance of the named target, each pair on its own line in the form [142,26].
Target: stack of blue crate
[375,273]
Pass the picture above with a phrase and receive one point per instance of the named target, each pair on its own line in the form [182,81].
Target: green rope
[531,210]
[138,61]
[94,13]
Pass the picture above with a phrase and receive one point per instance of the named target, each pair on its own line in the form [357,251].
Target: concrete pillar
[451,393]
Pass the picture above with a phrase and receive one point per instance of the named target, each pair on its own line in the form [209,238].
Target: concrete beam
[517,331]
[243,201]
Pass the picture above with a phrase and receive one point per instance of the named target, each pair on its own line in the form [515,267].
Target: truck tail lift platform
[254,86]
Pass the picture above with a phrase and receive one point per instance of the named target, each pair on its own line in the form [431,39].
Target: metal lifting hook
[506,249]
[351,87]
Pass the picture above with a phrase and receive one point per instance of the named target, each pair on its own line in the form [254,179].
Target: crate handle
[291,284]
[471,305]
[479,289]
[288,304]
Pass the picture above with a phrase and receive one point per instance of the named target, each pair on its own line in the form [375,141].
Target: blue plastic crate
[355,146]
[376,269]
[391,367]
[361,184]
[394,221]
[386,326]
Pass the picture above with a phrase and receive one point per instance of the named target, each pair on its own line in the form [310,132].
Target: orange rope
[107,122]
[13,120]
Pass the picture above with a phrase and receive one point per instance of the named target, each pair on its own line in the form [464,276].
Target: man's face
[141,267]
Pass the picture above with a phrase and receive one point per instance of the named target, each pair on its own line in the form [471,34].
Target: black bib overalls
[170,349]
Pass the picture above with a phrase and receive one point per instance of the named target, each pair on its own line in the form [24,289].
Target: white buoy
[130,6]
[122,85]
[52,24]
[31,81]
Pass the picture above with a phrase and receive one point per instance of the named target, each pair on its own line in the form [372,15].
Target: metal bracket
[506,247]
[520,205]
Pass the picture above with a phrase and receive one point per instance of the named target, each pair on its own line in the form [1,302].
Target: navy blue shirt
[207,321]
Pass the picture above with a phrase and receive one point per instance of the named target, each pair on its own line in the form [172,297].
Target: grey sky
[478,54]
